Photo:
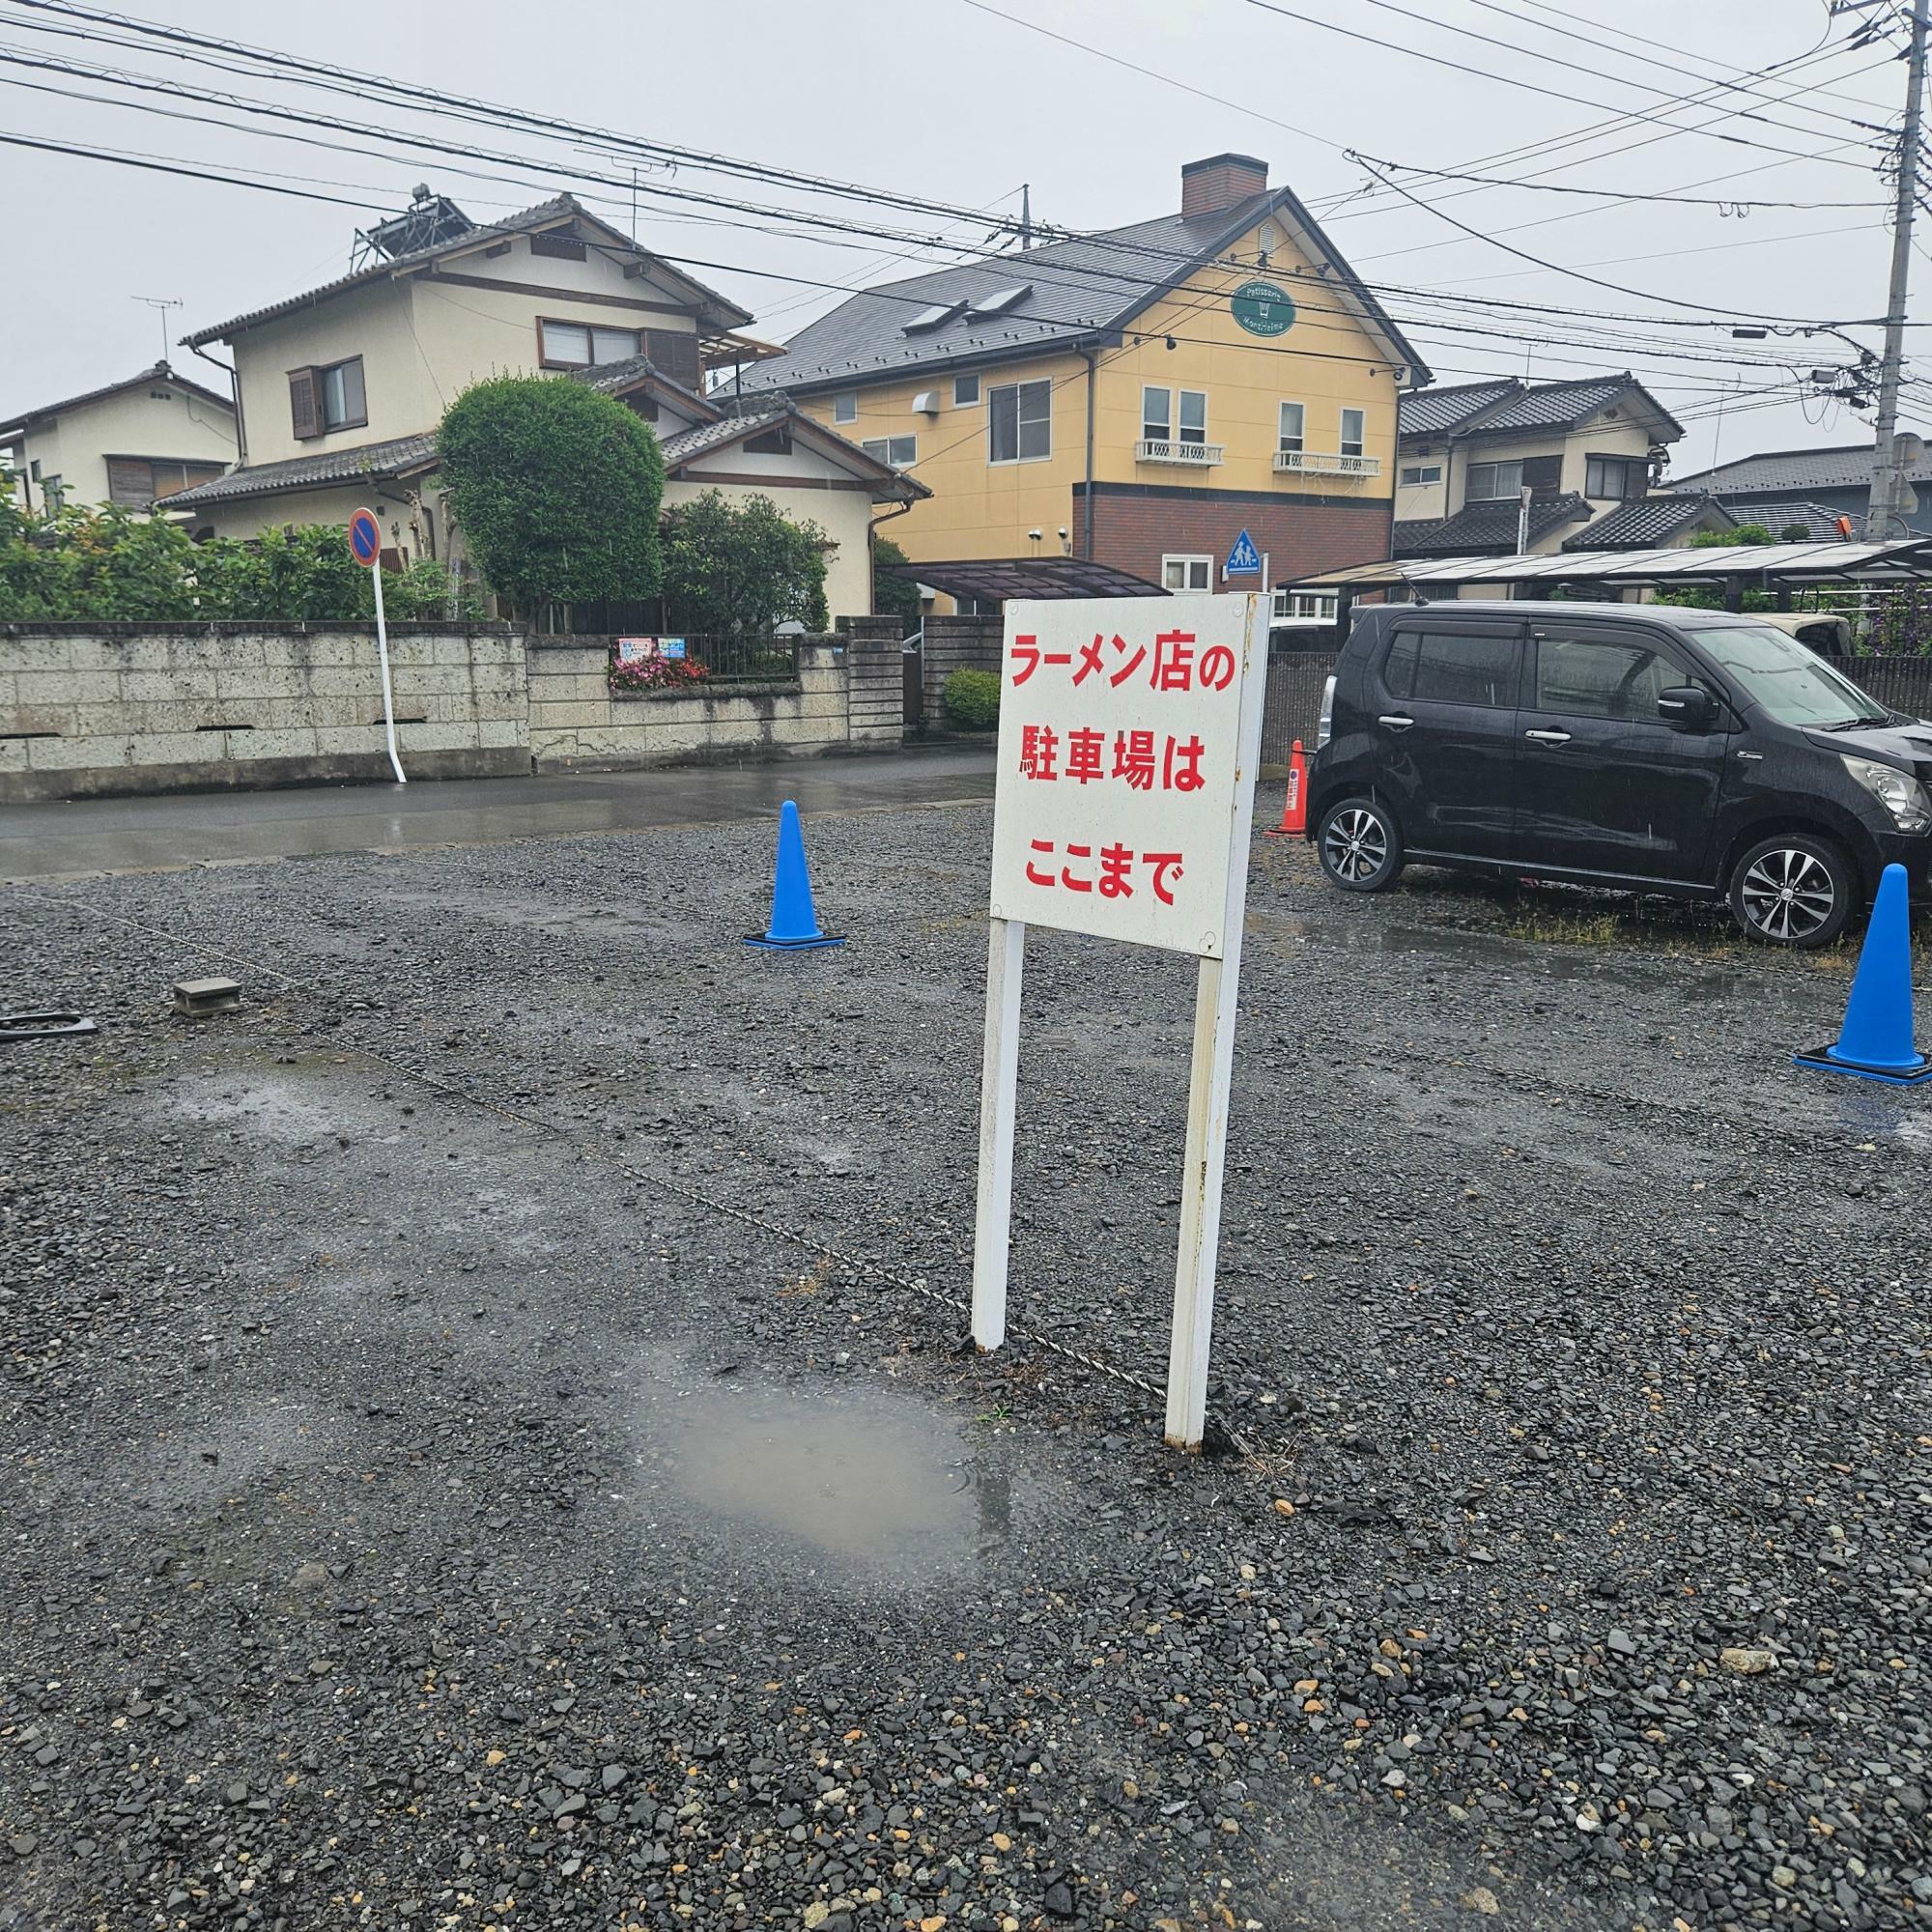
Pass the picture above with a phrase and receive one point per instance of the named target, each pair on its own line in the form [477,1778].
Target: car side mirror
[1686,707]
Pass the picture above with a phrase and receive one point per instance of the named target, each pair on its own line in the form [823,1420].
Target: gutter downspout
[1087,533]
[871,548]
[234,375]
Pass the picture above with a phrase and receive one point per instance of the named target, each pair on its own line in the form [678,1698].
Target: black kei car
[1647,747]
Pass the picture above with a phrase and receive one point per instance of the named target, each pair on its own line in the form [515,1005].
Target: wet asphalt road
[112,835]
[476,1450]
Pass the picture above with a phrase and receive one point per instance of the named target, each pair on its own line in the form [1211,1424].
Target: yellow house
[1137,398]
[341,389]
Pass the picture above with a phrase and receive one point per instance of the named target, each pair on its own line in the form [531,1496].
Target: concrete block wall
[958,644]
[875,667]
[578,723]
[92,710]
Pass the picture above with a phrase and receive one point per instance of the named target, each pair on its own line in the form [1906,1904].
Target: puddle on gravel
[1873,1109]
[874,1483]
[275,1106]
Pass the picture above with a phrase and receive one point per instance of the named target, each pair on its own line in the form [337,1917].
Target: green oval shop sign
[1263,309]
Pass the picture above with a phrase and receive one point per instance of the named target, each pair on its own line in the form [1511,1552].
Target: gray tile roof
[1432,412]
[1820,519]
[690,442]
[723,311]
[401,457]
[1482,527]
[1074,288]
[1647,523]
[1793,472]
[159,372]
[1563,405]
[612,378]
[892,481]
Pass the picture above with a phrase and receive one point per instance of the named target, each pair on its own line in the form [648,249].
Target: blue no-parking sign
[1244,559]
[365,536]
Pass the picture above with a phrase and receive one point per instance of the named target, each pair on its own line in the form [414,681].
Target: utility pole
[1886,477]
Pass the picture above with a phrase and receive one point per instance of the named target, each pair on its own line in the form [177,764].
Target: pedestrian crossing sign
[1244,559]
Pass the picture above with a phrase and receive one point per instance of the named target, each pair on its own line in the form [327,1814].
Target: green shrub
[973,700]
[556,489]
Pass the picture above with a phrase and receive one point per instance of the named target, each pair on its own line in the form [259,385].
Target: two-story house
[341,390]
[1583,450]
[131,443]
[1137,397]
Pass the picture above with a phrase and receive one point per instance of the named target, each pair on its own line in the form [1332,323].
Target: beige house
[152,437]
[1466,454]
[341,390]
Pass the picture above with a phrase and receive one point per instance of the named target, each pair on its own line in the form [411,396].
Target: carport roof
[1902,560]
[999,578]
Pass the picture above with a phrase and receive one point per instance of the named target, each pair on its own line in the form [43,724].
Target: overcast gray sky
[945,99]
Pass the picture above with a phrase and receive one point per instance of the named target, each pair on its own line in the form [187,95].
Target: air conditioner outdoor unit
[925,403]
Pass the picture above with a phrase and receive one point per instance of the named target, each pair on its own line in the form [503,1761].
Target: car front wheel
[1794,888]
[1360,847]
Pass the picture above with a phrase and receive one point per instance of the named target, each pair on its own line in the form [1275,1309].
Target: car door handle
[1549,737]
[1395,721]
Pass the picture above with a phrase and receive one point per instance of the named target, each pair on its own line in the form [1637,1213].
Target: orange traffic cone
[1295,811]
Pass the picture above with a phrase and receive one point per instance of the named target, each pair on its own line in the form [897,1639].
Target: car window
[1455,667]
[1795,685]
[1597,677]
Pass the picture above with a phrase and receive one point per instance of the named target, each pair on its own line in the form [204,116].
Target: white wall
[843,514]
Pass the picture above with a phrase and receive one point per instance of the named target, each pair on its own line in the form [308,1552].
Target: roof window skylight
[1001,300]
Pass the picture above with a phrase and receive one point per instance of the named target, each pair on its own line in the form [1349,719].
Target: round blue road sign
[365,537]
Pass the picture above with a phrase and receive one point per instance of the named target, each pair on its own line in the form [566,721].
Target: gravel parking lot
[487,1440]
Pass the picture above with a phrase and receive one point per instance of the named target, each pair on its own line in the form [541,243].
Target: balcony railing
[1324,463]
[1194,455]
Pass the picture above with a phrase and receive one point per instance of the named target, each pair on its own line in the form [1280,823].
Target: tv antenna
[160,305]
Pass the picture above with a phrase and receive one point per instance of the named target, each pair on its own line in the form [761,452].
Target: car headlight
[1899,792]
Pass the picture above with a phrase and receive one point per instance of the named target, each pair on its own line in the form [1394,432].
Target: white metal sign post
[366,539]
[1129,731]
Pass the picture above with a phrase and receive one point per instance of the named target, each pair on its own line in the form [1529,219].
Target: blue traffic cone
[794,924]
[1875,1042]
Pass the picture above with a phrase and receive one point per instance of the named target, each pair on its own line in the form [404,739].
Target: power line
[1607,193]
[1481,74]
[1556,267]
[1574,66]
[1040,263]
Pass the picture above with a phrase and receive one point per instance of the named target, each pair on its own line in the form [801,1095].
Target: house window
[1187,573]
[1422,472]
[901,451]
[1355,430]
[1292,417]
[583,345]
[845,407]
[1194,415]
[965,391]
[1156,424]
[326,398]
[1305,606]
[1019,421]
[769,442]
[53,495]
[1494,483]
[138,480]
[1613,478]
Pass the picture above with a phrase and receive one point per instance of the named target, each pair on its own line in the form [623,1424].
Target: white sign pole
[1216,996]
[383,653]
[1006,960]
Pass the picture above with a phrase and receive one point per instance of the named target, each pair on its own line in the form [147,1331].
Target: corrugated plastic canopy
[1901,559]
[1000,578]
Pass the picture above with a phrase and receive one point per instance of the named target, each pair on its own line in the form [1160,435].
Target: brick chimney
[1221,182]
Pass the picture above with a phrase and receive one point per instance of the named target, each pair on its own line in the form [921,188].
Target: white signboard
[1129,731]
[1122,784]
